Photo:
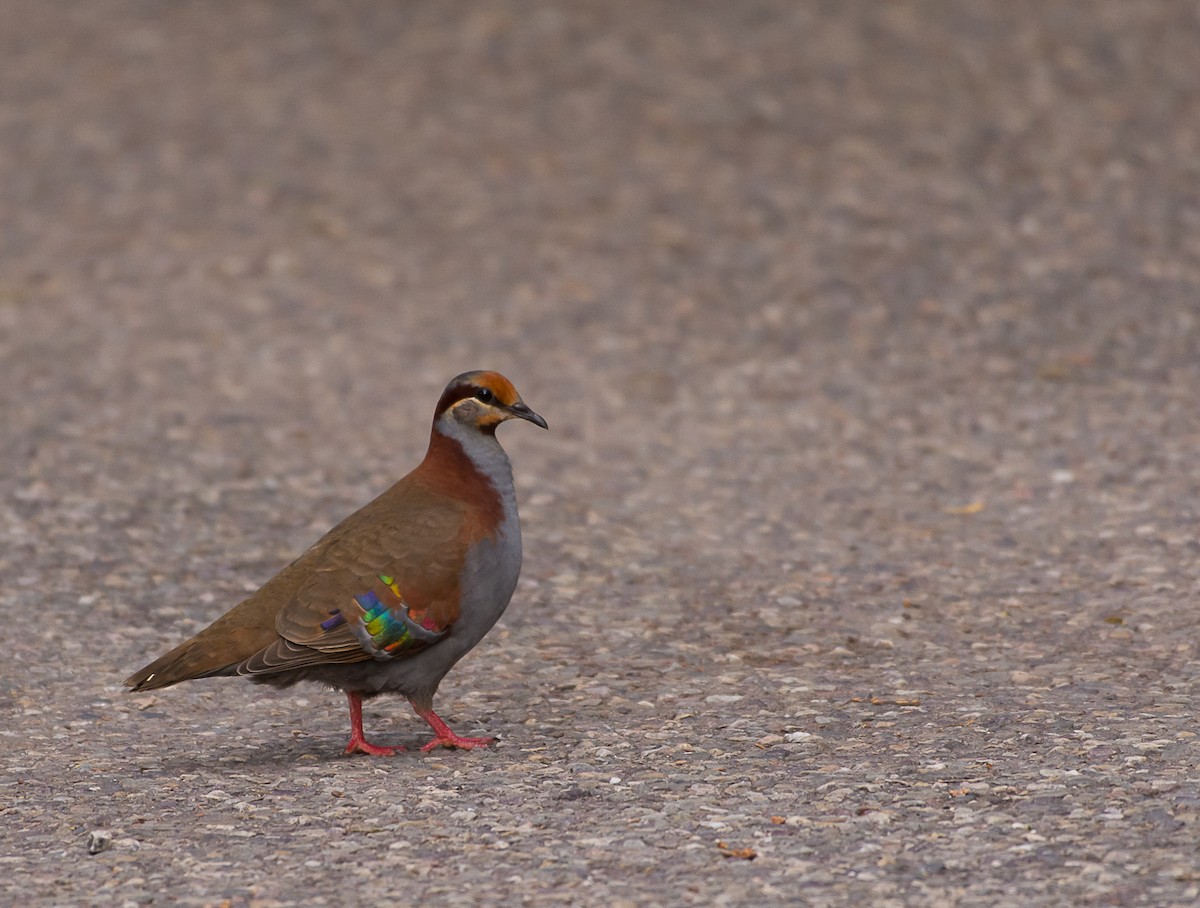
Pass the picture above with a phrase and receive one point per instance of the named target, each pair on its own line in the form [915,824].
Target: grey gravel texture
[861,558]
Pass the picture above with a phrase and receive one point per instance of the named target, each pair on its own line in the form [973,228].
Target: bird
[394,595]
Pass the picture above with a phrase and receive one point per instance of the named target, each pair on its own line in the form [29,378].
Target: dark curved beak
[521,410]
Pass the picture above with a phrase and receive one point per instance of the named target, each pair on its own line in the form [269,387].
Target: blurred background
[866,332]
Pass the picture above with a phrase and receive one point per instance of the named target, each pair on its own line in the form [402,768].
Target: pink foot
[358,743]
[363,746]
[444,737]
[453,740]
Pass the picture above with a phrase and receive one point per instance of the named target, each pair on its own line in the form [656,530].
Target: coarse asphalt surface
[861,557]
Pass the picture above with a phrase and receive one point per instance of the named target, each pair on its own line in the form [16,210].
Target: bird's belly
[488,580]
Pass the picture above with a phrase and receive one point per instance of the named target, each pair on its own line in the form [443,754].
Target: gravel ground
[861,558]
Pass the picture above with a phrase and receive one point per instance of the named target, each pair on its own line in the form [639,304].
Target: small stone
[98,840]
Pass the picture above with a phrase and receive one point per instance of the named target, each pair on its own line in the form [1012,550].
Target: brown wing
[406,547]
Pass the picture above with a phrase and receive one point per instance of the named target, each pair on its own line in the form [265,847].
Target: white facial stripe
[474,400]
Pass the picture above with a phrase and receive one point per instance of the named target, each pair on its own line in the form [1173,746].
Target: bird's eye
[485,395]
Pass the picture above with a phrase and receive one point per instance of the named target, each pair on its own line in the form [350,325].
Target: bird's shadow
[301,751]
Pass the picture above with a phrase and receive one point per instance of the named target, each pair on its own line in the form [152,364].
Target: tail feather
[201,657]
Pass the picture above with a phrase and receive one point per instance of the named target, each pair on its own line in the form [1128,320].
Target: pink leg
[444,736]
[359,744]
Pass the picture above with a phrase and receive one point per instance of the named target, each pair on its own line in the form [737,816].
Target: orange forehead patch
[505,393]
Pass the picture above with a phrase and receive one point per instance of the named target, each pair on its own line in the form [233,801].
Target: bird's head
[482,400]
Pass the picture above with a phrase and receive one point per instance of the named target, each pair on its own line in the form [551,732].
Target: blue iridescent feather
[388,632]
